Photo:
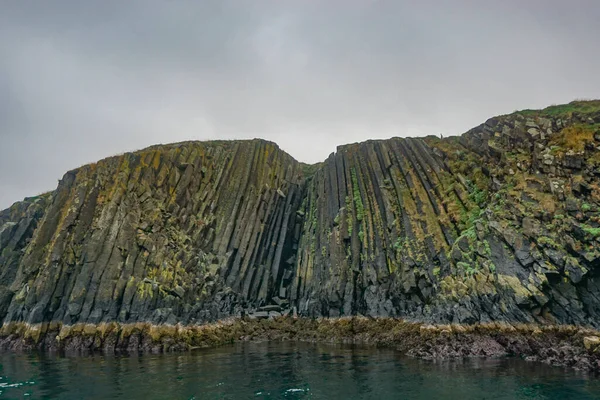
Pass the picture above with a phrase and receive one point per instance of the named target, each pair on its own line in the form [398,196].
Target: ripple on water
[285,370]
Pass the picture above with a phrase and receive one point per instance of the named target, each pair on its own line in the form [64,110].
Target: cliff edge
[499,224]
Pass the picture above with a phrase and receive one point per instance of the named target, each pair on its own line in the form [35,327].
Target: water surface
[284,370]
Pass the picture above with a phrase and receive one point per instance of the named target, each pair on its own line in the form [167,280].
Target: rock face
[499,224]
[17,225]
[463,230]
[187,232]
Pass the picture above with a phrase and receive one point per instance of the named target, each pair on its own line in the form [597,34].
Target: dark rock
[456,254]
[179,291]
[574,271]
[270,308]
[496,225]
[573,161]
[280,302]
[571,205]
[463,244]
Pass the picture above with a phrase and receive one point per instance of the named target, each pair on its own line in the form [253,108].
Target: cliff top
[563,110]
[582,111]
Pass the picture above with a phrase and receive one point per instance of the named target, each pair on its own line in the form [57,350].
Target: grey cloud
[84,80]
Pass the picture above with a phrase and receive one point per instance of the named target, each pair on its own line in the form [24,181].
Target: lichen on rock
[500,224]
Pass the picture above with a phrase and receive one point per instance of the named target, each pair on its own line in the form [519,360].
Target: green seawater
[279,370]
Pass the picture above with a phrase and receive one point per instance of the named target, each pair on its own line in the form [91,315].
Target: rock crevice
[499,224]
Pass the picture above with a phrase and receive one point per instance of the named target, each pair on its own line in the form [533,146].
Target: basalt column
[177,233]
[376,230]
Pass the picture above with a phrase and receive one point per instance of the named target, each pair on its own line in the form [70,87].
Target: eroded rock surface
[499,224]
[188,232]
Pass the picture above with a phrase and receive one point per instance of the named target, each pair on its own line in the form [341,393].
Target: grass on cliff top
[573,138]
[564,110]
[308,170]
[39,196]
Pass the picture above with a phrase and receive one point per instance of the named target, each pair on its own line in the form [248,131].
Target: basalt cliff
[500,224]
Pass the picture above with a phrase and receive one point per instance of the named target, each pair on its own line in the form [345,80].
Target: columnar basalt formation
[17,225]
[499,224]
[377,232]
[188,232]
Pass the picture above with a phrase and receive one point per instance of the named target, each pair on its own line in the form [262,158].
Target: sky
[84,80]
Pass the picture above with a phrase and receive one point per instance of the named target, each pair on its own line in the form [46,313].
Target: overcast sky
[83,80]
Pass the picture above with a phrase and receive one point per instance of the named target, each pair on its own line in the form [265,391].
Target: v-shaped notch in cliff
[500,224]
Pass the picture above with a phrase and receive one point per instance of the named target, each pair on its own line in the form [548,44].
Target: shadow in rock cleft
[497,227]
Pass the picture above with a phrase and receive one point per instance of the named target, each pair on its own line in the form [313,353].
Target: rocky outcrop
[188,232]
[566,346]
[17,225]
[376,232]
[499,224]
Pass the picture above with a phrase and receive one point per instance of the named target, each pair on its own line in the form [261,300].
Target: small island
[483,244]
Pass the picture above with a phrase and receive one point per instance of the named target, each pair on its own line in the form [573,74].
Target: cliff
[184,232]
[499,224]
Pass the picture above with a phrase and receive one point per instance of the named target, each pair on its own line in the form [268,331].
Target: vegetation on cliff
[563,345]
[499,224]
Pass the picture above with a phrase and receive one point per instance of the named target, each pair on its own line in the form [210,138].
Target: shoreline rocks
[496,227]
[566,346]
